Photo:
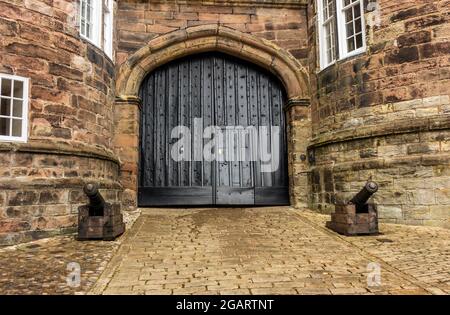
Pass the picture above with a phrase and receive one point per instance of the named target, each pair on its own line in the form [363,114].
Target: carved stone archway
[213,37]
[190,41]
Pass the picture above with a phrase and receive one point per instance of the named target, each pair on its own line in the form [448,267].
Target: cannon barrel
[96,201]
[363,196]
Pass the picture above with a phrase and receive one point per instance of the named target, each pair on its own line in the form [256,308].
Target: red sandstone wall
[70,114]
[71,81]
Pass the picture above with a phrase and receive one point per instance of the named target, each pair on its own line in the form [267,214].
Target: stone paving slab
[270,251]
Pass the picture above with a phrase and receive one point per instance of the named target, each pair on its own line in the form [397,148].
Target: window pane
[325,9]
[16,127]
[329,39]
[4,126]
[17,108]
[350,30]
[328,9]
[351,44]
[6,87]
[332,8]
[18,89]
[359,41]
[357,11]
[83,10]
[5,106]
[358,26]
[330,56]
[348,15]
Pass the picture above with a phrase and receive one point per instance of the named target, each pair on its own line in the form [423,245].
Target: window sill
[13,139]
[352,55]
[90,41]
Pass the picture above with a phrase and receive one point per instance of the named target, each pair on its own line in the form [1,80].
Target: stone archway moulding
[214,37]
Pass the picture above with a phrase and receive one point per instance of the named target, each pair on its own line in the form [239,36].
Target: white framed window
[91,20]
[327,32]
[96,23]
[341,30]
[13,108]
[108,9]
[352,27]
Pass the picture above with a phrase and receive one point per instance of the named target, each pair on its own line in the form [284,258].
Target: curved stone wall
[70,120]
[385,115]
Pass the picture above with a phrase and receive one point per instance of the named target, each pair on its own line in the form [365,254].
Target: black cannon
[357,216]
[99,219]
[96,201]
[363,196]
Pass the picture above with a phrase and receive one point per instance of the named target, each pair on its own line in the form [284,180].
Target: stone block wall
[298,134]
[126,145]
[282,22]
[385,115]
[70,120]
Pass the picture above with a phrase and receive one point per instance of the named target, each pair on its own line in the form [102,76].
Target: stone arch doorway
[187,103]
[191,41]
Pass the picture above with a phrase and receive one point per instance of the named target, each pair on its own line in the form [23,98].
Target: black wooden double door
[225,94]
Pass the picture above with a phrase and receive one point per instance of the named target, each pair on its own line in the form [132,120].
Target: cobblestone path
[41,267]
[272,251]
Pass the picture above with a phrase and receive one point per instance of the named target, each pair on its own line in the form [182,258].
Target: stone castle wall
[385,115]
[70,113]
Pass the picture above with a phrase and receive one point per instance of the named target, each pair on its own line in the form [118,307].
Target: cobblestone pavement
[234,251]
[271,251]
[41,267]
[420,252]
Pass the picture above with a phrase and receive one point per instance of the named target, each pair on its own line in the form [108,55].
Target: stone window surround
[24,117]
[341,42]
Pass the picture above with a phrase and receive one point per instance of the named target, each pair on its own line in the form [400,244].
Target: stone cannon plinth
[358,216]
[99,219]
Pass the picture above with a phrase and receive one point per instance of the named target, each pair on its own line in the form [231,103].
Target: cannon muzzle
[96,201]
[363,196]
